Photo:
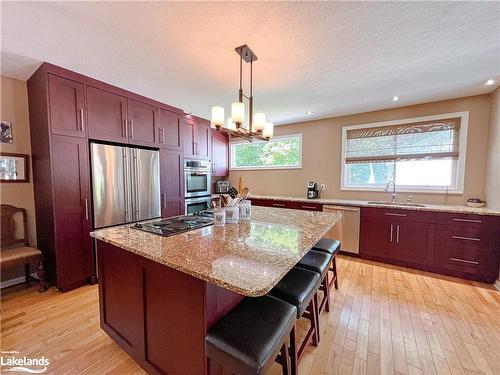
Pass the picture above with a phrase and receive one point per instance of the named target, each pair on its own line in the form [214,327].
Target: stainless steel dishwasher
[347,229]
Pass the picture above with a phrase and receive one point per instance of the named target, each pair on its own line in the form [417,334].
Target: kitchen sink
[402,204]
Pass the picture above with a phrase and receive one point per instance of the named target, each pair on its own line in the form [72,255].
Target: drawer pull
[464,261]
[468,220]
[466,238]
[391,214]
[391,233]
[312,207]
[279,204]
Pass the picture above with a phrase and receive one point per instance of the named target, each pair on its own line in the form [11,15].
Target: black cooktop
[175,225]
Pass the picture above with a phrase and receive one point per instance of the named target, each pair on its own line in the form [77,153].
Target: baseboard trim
[15,281]
[497,284]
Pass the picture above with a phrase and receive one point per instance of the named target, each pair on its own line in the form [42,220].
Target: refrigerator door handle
[126,180]
[136,186]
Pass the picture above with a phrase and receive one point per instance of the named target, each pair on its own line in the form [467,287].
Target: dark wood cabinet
[107,116]
[197,138]
[142,120]
[170,130]
[287,204]
[220,154]
[72,211]
[397,235]
[171,183]
[67,107]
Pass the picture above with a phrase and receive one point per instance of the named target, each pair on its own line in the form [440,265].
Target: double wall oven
[198,184]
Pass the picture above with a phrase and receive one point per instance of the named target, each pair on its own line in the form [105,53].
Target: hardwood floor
[383,320]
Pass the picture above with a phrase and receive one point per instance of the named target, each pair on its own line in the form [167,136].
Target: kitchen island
[158,296]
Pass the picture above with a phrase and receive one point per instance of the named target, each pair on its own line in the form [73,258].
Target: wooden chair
[14,249]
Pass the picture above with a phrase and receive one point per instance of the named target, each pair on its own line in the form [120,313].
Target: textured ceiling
[331,58]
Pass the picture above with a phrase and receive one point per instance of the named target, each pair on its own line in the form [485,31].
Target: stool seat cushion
[297,287]
[316,261]
[327,246]
[18,255]
[246,338]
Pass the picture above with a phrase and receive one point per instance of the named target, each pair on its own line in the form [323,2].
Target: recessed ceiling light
[395,98]
[489,82]
[310,112]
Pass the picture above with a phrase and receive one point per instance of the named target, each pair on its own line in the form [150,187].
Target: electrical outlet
[323,187]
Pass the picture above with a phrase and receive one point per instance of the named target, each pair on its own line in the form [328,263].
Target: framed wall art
[6,132]
[14,167]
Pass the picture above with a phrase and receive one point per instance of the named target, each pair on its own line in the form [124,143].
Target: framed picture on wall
[14,167]
[6,132]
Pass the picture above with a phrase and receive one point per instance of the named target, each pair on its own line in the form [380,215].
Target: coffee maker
[312,190]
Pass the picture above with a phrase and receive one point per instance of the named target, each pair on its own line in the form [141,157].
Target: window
[420,154]
[280,152]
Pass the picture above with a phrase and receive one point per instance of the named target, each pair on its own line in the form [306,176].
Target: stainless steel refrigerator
[125,184]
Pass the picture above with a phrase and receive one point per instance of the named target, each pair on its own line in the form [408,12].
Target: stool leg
[315,319]
[285,358]
[293,352]
[326,286]
[335,273]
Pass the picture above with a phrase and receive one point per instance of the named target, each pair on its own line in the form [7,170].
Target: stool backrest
[14,226]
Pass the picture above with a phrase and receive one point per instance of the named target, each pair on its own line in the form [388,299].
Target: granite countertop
[248,258]
[359,203]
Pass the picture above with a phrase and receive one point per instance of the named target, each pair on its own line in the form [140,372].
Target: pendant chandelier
[256,127]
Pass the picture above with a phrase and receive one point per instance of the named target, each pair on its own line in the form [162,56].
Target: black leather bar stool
[252,336]
[299,287]
[319,262]
[332,247]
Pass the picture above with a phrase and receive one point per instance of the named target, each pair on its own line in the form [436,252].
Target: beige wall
[14,108]
[493,163]
[322,153]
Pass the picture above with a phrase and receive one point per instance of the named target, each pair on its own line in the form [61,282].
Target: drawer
[307,206]
[398,214]
[468,220]
[467,237]
[462,260]
[261,202]
[271,203]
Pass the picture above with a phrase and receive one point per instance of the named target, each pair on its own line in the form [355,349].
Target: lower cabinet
[287,204]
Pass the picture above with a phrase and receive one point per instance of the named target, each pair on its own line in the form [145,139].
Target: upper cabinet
[66,107]
[142,120]
[107,115]
[197,141]
[220,153]
[170,131]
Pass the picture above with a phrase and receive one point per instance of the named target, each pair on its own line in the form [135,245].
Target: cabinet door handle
[279,204]
[160,131]
[131,129]
[125,126]
[86,209]
[466,238]
[82,124]
[391,214]
[468,220]
[397,233]
[464,261]
[390,240]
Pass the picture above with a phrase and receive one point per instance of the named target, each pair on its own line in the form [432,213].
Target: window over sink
[425,154]
[281,152]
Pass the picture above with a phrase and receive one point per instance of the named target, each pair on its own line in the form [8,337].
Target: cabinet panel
[189,139]
[170,131]
[376,238]
[142,123]
[106,114]
[220,154]
[413,241]
[203,144]
[66,107]
[171,182]
[72,210]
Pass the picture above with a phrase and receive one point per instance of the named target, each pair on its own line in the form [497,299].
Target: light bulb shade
[259,121]
[268,130]
[217,116]
[230,124]
[238,112]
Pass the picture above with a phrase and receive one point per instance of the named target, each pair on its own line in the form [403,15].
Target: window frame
[459,172]
[237,141]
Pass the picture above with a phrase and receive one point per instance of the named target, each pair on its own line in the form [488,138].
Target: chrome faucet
[387,188]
